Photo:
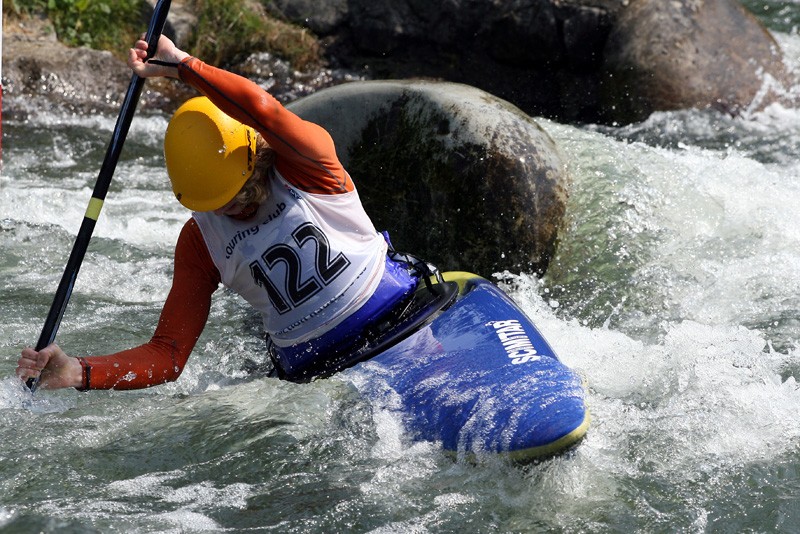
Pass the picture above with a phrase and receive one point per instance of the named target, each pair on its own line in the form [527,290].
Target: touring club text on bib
[305,261]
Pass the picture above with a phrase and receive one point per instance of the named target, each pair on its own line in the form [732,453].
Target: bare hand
[166,52]
[57,370]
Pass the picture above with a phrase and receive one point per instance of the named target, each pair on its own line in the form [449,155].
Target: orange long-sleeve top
[305,156]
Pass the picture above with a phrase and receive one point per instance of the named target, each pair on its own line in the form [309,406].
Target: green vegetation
[227,31]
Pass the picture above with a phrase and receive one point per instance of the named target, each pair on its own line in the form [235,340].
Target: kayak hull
[479,378]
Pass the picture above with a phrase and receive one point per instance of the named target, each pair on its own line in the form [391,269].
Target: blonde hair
[255,189]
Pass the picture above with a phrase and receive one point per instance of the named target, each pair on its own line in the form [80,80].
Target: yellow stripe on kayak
[542,452]
[551,449]
[459,277]
[93,210]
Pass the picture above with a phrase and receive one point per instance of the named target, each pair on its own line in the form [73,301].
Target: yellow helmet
[209,155]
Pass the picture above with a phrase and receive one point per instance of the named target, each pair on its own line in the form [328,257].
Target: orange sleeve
[306,155]
[182,320]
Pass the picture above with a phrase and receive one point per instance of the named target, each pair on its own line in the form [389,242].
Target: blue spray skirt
[479,377]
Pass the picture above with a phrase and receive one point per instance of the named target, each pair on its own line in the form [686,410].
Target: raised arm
[306,153]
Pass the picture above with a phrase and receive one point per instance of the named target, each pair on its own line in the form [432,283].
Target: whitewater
[675,292]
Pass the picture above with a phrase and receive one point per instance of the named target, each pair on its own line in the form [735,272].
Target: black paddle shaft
[64,290]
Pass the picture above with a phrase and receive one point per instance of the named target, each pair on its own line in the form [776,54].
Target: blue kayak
[476,375]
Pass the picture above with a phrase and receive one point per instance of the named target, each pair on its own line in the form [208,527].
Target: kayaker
[276,218]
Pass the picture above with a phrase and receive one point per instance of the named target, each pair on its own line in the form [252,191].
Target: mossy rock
[458,176]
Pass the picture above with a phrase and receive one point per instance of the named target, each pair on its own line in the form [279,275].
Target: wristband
[86,374]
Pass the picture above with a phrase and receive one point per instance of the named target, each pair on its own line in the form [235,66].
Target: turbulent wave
[674,291]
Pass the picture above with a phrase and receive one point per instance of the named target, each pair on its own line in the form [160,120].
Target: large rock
[552,57]
[46,73]
[689,54]
[40,73]
[549,57]
[457,176]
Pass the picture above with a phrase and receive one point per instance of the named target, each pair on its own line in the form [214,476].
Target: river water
[675,292]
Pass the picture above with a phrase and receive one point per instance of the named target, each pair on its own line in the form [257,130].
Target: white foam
[704,395]
[6,516]
[14,395]
[189,521]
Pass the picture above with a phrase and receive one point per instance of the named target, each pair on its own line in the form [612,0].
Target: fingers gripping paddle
[100,189]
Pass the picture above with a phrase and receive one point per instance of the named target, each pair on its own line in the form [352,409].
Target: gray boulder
[40,72]
[573,60]
[689,54]
[458,176]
